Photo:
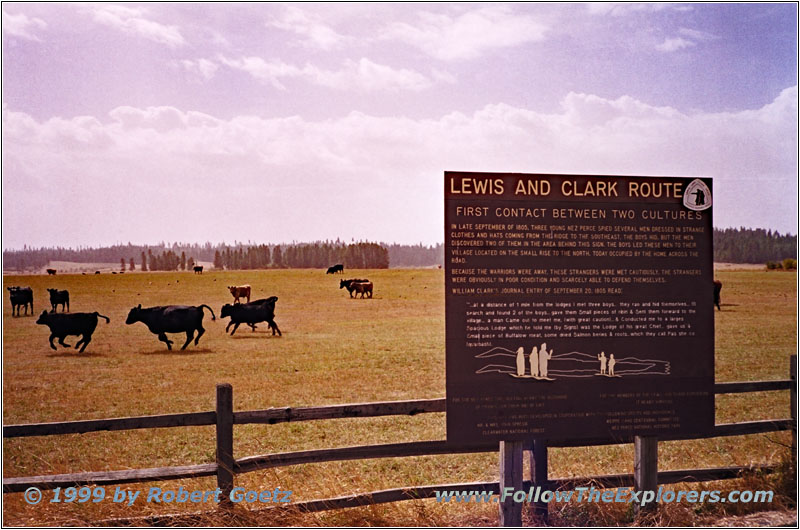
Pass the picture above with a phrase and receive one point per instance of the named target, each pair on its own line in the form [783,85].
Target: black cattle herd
[161,320]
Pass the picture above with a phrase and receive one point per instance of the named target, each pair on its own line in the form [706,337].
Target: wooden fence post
[225,461]
[510,477]
[793,405]
[645,469]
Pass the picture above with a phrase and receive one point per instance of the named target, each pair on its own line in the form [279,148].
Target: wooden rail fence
[227,467]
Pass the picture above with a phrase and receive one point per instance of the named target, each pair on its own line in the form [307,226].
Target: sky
[281,122]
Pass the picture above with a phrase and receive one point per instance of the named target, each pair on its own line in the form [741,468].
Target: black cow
[59,298]
[161,320]
[717,289]
[63,325]
[21,296]
[198,269]
[251,313]
[51,272]
[335,268]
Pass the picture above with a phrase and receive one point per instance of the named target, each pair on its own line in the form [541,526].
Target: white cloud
[367,76]
[363,75]
[616,9]
[311,173]
[313,31]
[697,35]
[162,119]
[687,38]
[468,35]
[270,72]
[21,26]
[202,67]
[132,20]
[674,44]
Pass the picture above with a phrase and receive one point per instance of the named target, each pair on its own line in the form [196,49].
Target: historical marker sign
[578,306]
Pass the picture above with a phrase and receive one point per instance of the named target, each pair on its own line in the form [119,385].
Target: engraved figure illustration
[546,365]
[544,356]
[521,361]
[534,362]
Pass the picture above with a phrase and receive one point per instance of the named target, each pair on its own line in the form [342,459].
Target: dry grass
[333,350]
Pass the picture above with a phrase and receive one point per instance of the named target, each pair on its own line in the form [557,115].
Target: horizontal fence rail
[600,481]
[225,418]
[190,419]
[359,410]
[430,491]
[364,452]
[289,414]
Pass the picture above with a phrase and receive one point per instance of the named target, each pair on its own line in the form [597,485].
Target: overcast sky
[280,122]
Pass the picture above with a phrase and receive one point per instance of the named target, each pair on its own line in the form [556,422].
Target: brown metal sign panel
[578,306]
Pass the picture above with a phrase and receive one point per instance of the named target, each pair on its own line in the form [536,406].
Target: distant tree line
[36,258]
[303,256]
[732,245]
[415,255]
[164,261]
[747,245]
[163,257]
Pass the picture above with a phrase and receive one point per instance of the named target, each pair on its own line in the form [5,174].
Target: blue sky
[282,122]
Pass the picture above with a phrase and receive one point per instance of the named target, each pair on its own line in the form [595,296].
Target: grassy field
[333,350]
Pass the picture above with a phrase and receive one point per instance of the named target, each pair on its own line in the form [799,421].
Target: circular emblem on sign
[697,196]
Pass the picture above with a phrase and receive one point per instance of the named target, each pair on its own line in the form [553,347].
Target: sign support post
[645,469]
[510,477]
[539,477]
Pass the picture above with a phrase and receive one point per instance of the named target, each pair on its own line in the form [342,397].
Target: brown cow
[357,285]
[239,291]
[363,288]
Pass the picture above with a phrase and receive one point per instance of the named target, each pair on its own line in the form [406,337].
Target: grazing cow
[97,272]
[717,289]
[336,268]
[51,272]
[251,313]
[59,297]
[21,296]
[239,291]
[198,269]
[362,288]
[161,320]
[63,325]
[357,285]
